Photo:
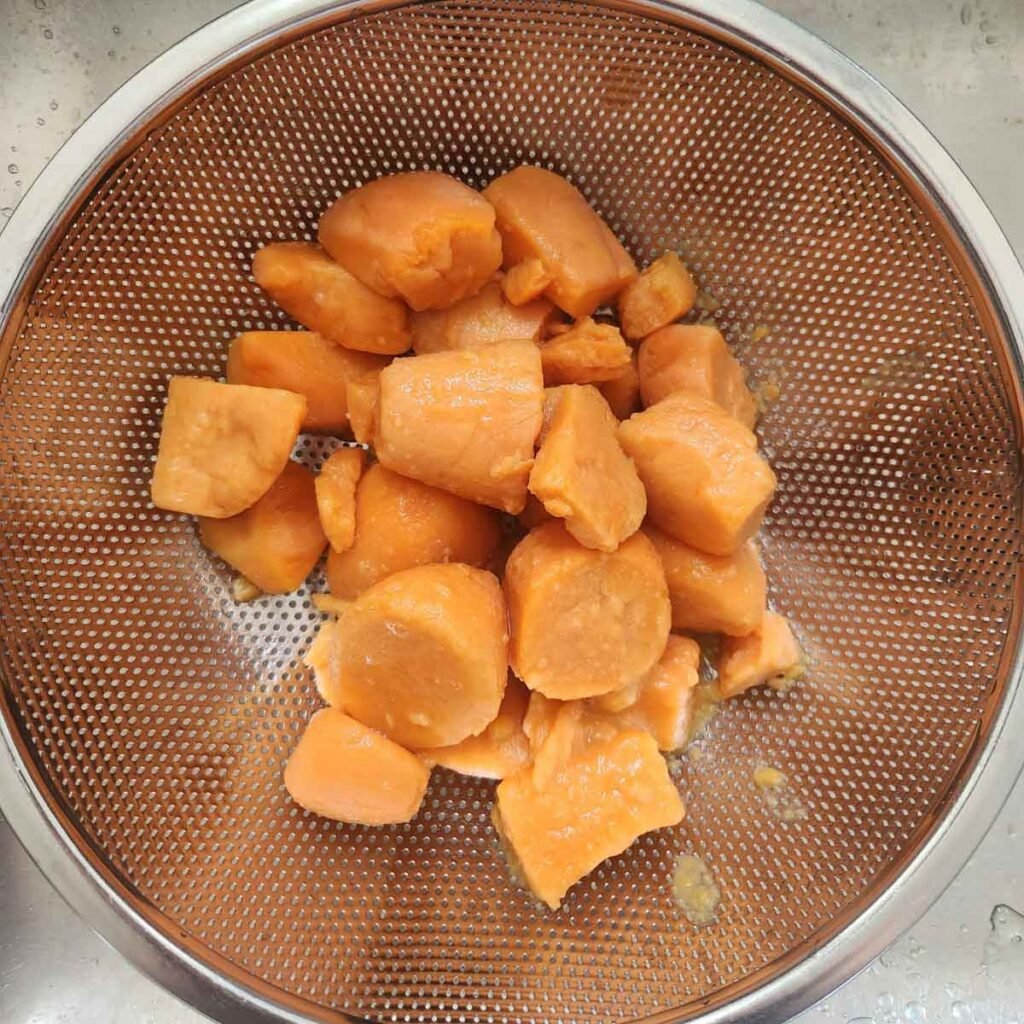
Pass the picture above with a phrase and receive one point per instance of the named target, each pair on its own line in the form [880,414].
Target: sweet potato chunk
[323,296]
[464,421]
[525,282]
[706,484]
[665,696]
[342,770]
[500,750]
[592,809]
[402,523]
[582,475]
[422,655]
[422,236]
[662,293]
[770,654]
[222,445]
[586,353]
[306,364]
[336,496]
[695,358]
[480,319]
[622,393]
[277,541]
[584,622]
[542,217]
[711,593]
[363,399]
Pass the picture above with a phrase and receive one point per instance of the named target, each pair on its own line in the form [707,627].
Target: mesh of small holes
[162,712]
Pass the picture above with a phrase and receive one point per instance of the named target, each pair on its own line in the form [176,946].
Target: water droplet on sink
[961,1013]
[40,121]
[47,33]
[54,104]
[117,30]
[40,5]
[12,168]
[915,1013]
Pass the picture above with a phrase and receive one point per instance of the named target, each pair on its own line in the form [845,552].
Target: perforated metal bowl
[146,717]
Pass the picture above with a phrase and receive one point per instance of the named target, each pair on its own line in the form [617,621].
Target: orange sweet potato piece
[582,475]
[712,593]
[363,398]
[664,702]
[584,622]
[525,282]
[345,771]
[464,421]
[336,496]
[622,393]
[422,655]
[277,541]
[706,484]
[305,363]
[222,445]
[401,523]
[542,217]
[695,358]
[586,353]
[602,800]
[770,654]
[480,319]
[422,236]
[323,296]
[663,292]
[500,750]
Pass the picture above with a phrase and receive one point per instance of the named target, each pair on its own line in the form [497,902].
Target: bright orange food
[770,654]
[362,395]
[712,593]
[706,483]
[543,218]
[585,353]
[582,475]
[480,319]
[664,701]
[345,771]
[622,393]
[695,358]
[402,523]
[222,445]
[595,807]
[663,292]
[306,364]
[422,655]
[336,496]
[500,750]
[526,281]
[464,421]
[323,296]
[420,236]
[584,622]
[277,541]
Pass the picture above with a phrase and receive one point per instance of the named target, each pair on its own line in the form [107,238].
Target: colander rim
[79,164]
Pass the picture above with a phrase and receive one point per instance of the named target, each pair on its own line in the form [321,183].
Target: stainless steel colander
[146,716]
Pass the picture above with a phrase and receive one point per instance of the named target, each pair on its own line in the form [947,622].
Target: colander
[146,716]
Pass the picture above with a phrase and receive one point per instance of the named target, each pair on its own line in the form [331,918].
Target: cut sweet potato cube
[582,475]
[712,593]
[595,807]
[622,393]
[363,399]
[663,292]
[584,622]
[664,701]
[222,445]
[464,421]
[422,655]
[306,364]
[695,358]
[706,483]
[585,353]
[543,218]
[480,319]
[499,751]
[402,523]
[525,282]
[422,236]
[345,771]
[323,296]
[277,541]
[770,654]
[336,496]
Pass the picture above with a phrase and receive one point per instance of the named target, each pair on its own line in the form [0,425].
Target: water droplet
[961,1013]
[40,5]
[6,211]
[54,104]
[117,30]
[13,168]
[110,53]
[47,33]
[915,1013]
[40,121]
